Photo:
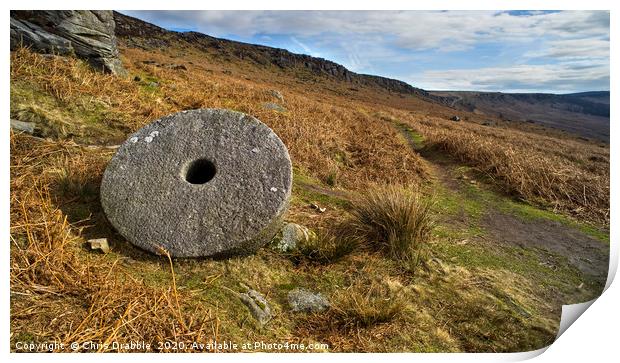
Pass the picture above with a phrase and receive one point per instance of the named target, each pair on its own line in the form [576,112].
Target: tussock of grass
[326,248]
[394,220]
[368,303]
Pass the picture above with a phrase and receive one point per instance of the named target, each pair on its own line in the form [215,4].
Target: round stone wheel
[206,182]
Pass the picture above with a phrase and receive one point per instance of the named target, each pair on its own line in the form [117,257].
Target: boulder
[208,182]
[302,300]
[28,34]
[455,118]
[87,34]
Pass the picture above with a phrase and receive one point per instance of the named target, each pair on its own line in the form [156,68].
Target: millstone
[206,182]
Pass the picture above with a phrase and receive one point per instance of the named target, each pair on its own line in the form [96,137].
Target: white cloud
[408,29]
[305,48]
[559,50]
[573,49]
[521,78]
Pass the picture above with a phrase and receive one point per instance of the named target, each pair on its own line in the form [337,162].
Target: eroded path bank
[541,260]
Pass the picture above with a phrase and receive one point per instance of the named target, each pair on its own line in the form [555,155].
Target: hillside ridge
[145,35]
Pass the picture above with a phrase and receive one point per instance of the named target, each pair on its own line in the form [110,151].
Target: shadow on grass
[78,198]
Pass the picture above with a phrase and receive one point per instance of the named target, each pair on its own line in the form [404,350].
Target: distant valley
[585,114]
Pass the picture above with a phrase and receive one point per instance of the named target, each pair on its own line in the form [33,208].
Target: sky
[506,51]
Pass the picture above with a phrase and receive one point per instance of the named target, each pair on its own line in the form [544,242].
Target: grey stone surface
[277,95]
[89,34]
[148,199]
[29,34]
[292,235]
[28,127]
[455,118]
[257,304]
[302,300]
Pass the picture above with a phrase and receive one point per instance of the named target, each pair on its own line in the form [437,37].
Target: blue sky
[509,51]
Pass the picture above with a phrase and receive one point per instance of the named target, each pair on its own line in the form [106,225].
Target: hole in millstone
[200,171]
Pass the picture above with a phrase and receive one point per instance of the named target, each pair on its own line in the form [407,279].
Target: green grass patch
[309,190]
[528,212]
[521,261]
[149,83]
[85,119]
[476,199]
[453,204]
[155,276]
[416,139]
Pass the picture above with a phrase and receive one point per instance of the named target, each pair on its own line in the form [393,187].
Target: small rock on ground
[317,207]
[23,126]
[277,95]
[302,300]
[100,244]
[292,235]
[257,304]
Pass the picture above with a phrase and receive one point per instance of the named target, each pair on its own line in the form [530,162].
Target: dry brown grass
[69,81]
[58,292]
[367,303]
[63,293]
[565,175]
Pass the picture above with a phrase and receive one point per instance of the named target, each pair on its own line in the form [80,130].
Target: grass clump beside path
[394,220]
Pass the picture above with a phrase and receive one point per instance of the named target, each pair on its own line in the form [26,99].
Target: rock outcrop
[87,34]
